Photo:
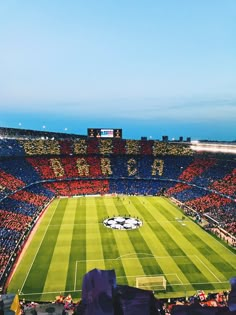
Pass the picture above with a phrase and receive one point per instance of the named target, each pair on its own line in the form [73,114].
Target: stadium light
[213,147]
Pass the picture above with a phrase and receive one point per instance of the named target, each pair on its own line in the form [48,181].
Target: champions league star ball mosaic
[123,223]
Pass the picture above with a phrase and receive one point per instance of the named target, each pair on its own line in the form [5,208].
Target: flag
[202,296]
[15,306]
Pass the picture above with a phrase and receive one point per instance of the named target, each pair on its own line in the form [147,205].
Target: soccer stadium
[99,224]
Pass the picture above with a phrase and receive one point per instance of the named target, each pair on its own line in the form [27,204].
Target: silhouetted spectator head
[232,295]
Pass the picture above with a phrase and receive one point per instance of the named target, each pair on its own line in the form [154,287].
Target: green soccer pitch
[71,240]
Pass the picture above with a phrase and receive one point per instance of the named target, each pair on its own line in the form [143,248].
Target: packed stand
[18,215]
[43,168]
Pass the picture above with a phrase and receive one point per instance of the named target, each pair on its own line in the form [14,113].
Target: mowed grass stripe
[215,256]
[219,256]
[220,261]
[39,271]
[94,250]
[204,246]
[125,248]
[175,244]
[78,249]
[57,271]
[110,251]
[203,259]
[167,264]
[44,237]
[197,263]
[24,268]
[142,240]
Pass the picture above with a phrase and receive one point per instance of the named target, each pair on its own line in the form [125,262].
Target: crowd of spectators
[24,195]
[218,175]
[82,145]
[9,183]
[12,228]
[213,206]
[43,168]
[41,147]
[211,190]
[226,218]
[196,169]
[226,185]
[15,173]
[18,213]
[76,188]
[11,147]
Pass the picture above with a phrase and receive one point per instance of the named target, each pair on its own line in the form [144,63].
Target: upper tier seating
[33,172]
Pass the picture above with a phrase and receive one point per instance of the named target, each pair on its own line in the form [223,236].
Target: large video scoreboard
[104,133]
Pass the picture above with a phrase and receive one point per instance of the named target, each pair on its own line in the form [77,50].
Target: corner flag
[15,306]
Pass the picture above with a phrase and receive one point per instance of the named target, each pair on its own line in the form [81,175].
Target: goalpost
[157,283]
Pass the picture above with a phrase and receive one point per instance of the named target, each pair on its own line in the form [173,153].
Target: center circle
[123,223]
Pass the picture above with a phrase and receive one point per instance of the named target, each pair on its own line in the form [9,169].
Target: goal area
[157,283]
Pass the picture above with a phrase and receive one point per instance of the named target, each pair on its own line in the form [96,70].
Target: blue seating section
[11,147]
[189,178]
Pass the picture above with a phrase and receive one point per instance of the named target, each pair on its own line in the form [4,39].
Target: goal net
[157,283]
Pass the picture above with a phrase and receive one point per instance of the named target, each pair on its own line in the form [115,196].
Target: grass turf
[71,240]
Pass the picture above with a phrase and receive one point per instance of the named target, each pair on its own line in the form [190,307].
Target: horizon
[86,134]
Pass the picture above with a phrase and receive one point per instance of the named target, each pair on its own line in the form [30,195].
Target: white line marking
[169,285]
[101,222]
[75,274]
[146,276]
[50,292]
[38,250]
[224,246]
[208,268]
[146,256]
[181,282]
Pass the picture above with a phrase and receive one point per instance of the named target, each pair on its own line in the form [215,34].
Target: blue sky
[149,67]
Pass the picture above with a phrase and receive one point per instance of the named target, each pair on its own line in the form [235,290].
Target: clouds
[126,60]
[137,118]
[73,52]
[172,109]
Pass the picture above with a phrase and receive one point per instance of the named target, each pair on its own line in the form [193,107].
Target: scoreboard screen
[104,133]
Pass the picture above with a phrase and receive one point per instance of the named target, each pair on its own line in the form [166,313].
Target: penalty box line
[207,268]
[145,256]
[180,282]
[126,257]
